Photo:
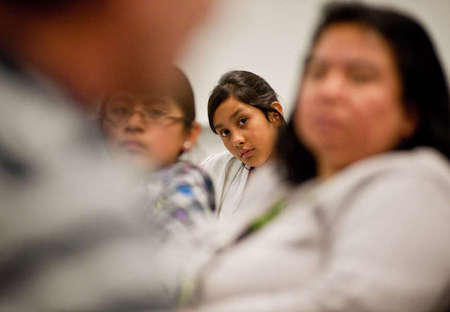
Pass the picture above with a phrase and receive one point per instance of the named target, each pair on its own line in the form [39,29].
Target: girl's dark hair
[424,85]
[246,87]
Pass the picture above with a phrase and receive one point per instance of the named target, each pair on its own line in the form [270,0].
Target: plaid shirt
[178,197]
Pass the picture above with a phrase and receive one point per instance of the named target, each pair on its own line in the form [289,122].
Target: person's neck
[326,170]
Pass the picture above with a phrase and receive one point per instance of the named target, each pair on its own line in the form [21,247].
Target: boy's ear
[192,136]
[273,116]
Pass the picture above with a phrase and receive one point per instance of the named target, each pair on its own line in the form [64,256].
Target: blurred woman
[363,224]
[244,111]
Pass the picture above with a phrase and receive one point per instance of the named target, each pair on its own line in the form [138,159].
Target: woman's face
[245,131]
[350,104]
[149,130]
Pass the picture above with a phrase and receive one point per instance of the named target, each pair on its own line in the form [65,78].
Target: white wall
[270,37]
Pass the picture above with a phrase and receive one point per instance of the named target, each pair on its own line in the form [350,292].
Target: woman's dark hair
[178,88]
[246,87]
[424,86]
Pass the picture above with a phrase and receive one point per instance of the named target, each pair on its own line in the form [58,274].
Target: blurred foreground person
[363,224]
[153,130]
[70,239]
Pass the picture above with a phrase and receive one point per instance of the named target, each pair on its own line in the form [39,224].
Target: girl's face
[149,130]
[245,131]
[350,104]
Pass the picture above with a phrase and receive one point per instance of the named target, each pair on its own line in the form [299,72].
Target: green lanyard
[188,288]
[263,220]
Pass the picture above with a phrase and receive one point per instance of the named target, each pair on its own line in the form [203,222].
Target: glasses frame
[164,121]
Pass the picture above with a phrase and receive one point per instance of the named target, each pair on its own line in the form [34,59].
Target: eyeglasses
[153,111]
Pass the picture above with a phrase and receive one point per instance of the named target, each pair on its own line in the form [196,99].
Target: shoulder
[187,178]
[420,164]
[404,197]
[219,157]
[398,182]
[189,171]
[190,181]
[421,174]
[219,161]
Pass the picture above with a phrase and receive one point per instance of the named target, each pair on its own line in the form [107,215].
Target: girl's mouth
[247,153]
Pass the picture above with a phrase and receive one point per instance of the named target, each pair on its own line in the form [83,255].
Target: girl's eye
[224,132]
[242,121]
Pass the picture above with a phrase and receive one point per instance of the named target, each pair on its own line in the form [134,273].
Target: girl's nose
[237,139]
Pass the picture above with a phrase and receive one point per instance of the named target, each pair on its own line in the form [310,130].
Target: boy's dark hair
[178,88]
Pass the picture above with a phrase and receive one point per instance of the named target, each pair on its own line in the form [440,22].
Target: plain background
[270,38]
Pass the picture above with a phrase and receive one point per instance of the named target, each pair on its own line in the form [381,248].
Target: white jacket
[229,177]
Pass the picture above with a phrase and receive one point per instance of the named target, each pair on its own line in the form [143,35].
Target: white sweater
[375,237]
